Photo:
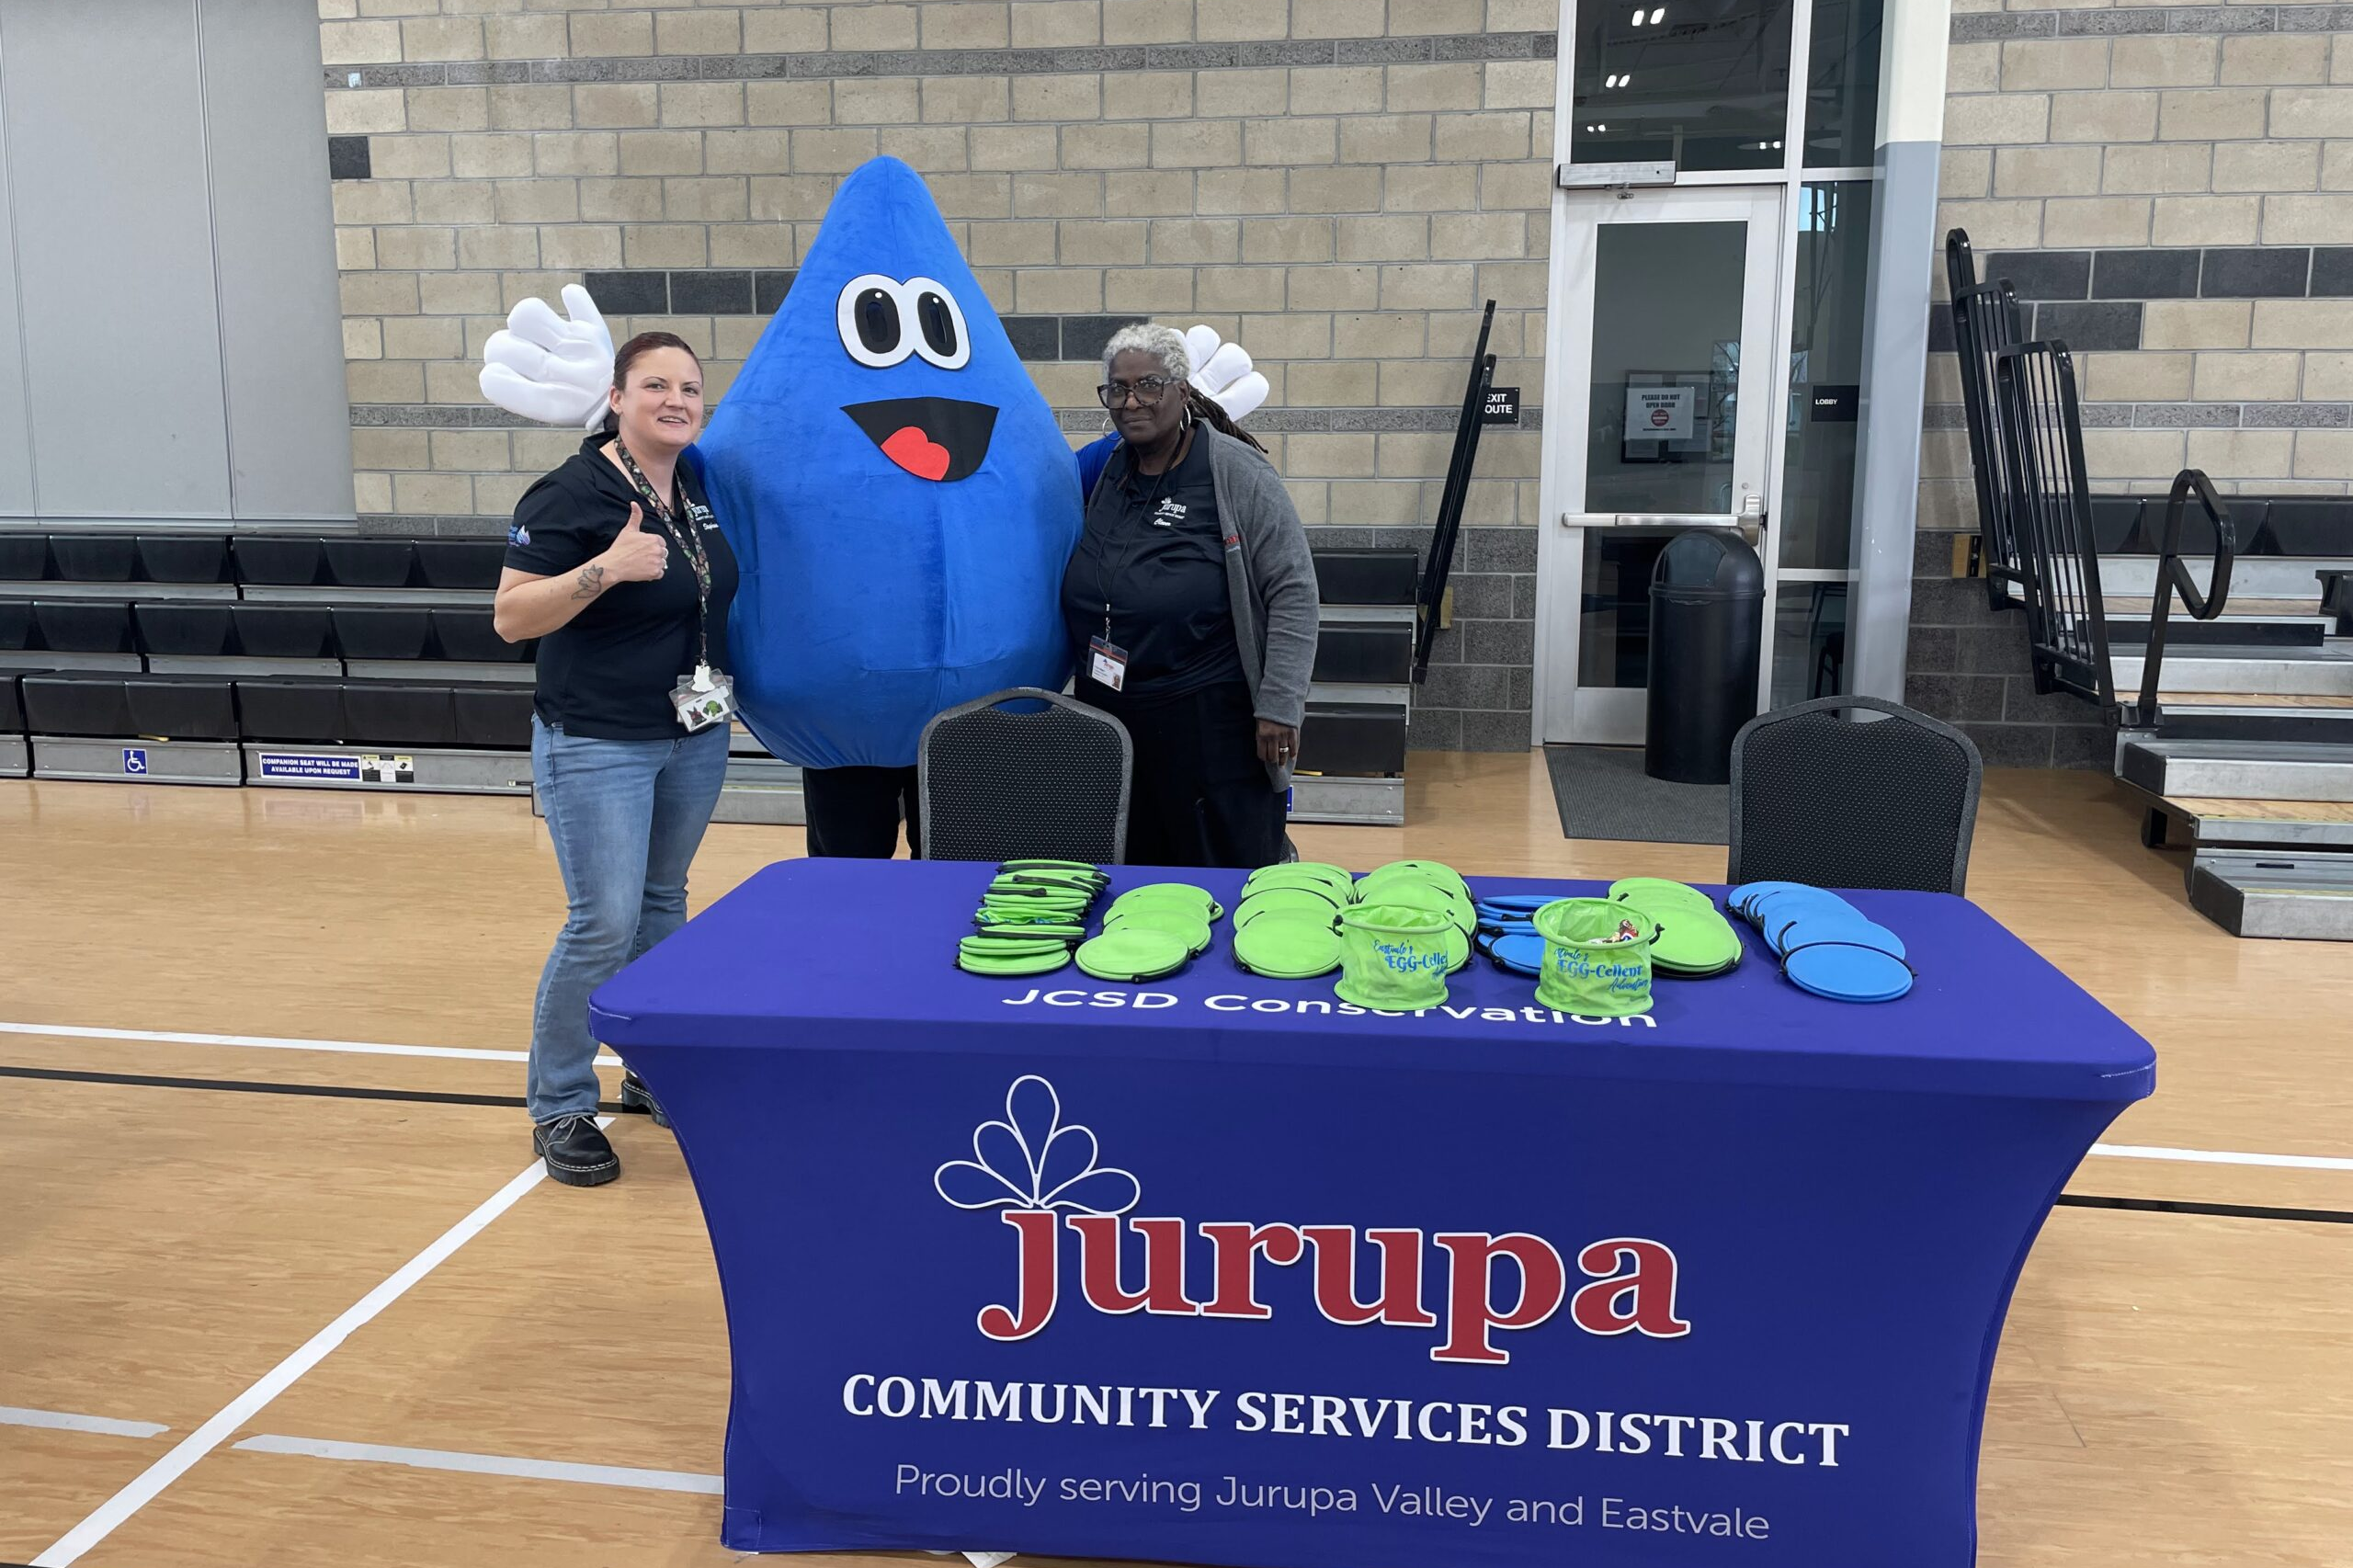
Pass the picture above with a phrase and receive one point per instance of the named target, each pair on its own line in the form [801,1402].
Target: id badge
[703,699]
[1106,663]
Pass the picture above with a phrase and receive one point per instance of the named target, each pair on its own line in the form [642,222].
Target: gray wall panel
[17,491]
[281,317]
[114,252]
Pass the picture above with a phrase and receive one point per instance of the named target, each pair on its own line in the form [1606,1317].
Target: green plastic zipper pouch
[1289,901]
[1287,945]
[1445,901]
[1183,923]
[1182,894]
[1395,958]
[1130,954]
[1597,958]
[1302,874]
[1005,960]
[1654,892]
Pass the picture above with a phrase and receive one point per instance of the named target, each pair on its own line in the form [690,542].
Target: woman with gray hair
[1190,601]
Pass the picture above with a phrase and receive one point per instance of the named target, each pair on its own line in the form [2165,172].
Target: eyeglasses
[1146,393]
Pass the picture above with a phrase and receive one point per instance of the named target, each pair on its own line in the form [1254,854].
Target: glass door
[1665,397]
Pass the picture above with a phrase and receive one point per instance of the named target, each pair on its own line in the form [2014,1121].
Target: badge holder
[703,699]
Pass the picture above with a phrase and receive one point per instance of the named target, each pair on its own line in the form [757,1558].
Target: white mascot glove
[548,368]
[1223,373]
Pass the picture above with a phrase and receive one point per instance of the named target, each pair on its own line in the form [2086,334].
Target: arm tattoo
[591,580]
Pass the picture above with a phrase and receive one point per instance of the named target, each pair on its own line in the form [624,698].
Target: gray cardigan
[1269,578]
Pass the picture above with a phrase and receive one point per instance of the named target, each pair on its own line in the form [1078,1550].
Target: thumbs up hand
[637,556]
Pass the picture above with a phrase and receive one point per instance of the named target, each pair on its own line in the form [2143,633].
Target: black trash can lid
[1706,566]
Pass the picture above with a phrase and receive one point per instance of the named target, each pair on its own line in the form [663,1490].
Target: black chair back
[1821,799]
[999,785]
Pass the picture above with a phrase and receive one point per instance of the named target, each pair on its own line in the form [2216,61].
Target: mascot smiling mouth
[932,438]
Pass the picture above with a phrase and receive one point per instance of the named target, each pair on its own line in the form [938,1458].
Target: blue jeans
[626,817]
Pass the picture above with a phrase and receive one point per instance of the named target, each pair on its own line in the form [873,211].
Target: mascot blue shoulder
[895,489]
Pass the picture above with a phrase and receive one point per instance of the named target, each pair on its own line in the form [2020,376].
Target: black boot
[635,1097]
[576,1151]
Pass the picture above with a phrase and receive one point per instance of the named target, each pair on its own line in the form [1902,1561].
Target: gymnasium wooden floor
[2176,1386]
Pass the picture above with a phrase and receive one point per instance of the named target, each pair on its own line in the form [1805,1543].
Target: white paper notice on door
[1659,414]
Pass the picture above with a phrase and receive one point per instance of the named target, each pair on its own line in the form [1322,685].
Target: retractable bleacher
[292,661]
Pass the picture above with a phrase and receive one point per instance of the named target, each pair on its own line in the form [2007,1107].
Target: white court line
[166,1037]
[144,1487]
[2224,1157]
[272,1043]
[66,1421]
[488,1464]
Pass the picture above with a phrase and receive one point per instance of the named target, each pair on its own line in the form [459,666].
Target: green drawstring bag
[1418,894]
[1597,958]
[1395,958]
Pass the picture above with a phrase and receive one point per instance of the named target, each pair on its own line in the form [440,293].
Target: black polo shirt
[1155,551]
[608,673]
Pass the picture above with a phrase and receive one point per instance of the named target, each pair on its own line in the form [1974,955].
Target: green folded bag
[1418,894]
[1647,890]
[1300,873]
[1183,894]
[1695,941]
[1421,870]
[1287,945]
[1133,954]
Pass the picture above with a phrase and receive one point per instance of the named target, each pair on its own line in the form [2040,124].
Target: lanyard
[1136,535]
[689,538]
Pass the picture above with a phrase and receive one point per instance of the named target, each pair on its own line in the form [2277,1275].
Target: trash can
[1707,624]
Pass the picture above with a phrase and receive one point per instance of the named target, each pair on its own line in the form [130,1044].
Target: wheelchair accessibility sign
[134,760]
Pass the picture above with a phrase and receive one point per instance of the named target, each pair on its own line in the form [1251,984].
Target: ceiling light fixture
[1658,16]
[1638,18]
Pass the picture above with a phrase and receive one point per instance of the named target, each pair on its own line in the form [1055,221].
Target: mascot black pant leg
[854,813]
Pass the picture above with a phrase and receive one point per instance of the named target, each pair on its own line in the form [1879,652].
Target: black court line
[257,1087]
[2223,1211]
[436,1096]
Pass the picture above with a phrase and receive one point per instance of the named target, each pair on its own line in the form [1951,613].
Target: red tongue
[917,452]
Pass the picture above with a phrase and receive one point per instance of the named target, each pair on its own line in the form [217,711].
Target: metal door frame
[1563,710]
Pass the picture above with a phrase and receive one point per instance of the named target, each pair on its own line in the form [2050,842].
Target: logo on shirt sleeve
[518,534]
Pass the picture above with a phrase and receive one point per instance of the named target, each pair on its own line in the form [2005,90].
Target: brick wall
[2170,189]
[1338,183]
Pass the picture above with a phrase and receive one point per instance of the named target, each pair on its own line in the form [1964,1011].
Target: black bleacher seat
[85,626]
[284,631]
[186,630]
[2306,525]
[1367,576]
[1380,653]
[386,632]
[95,558]
[71,704]
[184,558]
[461,562]
[496,716]
[12,705]
[16,625]
[24,558]
[277,561]
[384,713]
[1353,739]
[468,634]
[370,562]
[181,707]
[292,709]
[2116,524]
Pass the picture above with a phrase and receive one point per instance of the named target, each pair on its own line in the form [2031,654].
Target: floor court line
[366,1048]
[67,1421]
[150,1482]
[486,1464]
[277,1042]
